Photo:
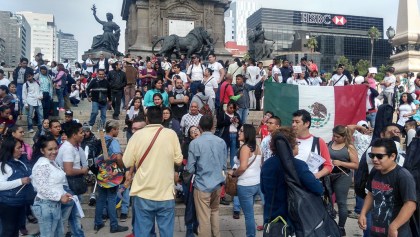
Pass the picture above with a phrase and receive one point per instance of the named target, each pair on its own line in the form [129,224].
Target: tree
[381,72]
[246,56]
[374,34]
[312,44]
[346,62]
[363,67]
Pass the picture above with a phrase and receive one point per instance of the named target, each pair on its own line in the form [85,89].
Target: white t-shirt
[69,153]
[336,81]
[183,77]
[411,85]
[196,71]
[210,85]
[253,73]
[314,81]
[359,80]
[301,82]
[5,82]
[216,66]
[89,69]
[391,79]
[277,71]
[101,64]
[405,109]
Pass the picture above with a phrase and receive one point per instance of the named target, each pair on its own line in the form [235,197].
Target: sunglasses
[379,156]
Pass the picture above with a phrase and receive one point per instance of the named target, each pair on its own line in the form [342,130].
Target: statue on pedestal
[198,41]
[108,41]
[258,49]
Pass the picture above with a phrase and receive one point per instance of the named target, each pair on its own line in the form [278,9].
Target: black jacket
[16,73]
[99,90]
[106,65]
[117,80]
[223,120]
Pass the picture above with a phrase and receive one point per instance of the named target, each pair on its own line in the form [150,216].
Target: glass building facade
[337,35]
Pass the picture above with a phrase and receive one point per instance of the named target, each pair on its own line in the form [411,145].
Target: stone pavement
[229,227]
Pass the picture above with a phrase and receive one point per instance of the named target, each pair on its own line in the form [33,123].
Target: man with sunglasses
[391,196]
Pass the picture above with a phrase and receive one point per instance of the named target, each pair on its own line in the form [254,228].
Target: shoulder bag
[148,148]
[231,186]
[77,183]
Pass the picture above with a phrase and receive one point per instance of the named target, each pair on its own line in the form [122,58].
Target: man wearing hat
[68,120]
[388,87]
[130,89]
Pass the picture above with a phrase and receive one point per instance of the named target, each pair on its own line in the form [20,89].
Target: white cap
[362,123]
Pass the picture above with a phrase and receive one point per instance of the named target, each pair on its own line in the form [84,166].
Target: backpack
[217,103]
[205,109]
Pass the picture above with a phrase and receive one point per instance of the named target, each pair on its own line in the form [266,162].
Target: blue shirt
[272,177]
[207,159]
[114,147]
[148,98]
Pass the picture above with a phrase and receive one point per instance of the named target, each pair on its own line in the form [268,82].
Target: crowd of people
[193,115]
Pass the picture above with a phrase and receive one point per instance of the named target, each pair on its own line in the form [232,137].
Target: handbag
[231,186]
[77,184]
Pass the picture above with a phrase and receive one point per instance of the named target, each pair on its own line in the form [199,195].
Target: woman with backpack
[205,103]
[344,158]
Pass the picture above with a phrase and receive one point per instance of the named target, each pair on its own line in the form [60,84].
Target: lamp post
[390,33]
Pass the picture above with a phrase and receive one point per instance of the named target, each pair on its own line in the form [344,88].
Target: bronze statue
[198,41]
[258,49]
[109,40]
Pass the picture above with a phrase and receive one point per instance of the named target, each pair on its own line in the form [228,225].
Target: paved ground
[229,227]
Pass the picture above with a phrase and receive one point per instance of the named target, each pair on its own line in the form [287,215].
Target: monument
[406,42]
[150,20]
[258,48]
[108,42]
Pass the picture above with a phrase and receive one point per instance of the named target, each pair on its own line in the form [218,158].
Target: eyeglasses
[379,156]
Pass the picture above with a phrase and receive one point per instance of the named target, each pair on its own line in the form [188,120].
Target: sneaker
[342,231]
[115,117]
[223,201]
[31,131]
[236,215]
[98,227]
[68,234]
[123,217]
[260,227]
[130,235]
[119,229]
[104,217]
[353,215]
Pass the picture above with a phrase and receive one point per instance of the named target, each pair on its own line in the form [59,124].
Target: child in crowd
[12,92]
[74,95]
[6,117]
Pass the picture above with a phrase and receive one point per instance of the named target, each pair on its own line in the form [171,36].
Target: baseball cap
[86,127]
[362,123]
[68,113]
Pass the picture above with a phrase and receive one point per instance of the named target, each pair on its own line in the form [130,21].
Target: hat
[322,72]
[39,54]
[46,60]
[68,113]
[362,123]
[43,67]
[129,60]
[86,127]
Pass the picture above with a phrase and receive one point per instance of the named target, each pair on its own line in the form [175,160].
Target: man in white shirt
[3,80]
[218,70]
[89,64]
[182,75]
[195,73]
[272,123]
[277,77]
[253,78]
[339,79]
[32,97]
[388,86]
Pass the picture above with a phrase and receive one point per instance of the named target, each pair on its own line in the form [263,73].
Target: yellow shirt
[155,178]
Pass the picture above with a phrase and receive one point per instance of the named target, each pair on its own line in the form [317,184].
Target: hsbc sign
[322,19]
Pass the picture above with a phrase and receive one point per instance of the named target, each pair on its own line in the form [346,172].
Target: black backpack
[361,176]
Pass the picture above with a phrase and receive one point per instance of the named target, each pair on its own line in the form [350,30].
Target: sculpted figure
[108,41]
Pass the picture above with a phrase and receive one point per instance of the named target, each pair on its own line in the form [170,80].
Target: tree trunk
[371,53]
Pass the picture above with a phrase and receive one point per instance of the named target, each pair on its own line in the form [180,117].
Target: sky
[75,16]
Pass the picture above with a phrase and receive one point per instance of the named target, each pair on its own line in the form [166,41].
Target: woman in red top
[262,129]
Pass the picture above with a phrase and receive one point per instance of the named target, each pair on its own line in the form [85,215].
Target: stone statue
[198,41]
[258,49]
[109,40]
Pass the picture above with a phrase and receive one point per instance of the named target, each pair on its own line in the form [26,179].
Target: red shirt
[225,94]
[264,131]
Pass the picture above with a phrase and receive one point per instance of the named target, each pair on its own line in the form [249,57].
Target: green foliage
[246,57]
[363,67]
[312,44]
[381,73]
[374,33]
[346,62]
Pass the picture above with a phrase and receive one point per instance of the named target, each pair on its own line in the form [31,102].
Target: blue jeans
[193,87]
[236,204]
[46,104]
[371,118]
[107,197]
[39,111]
[243,114]
[246,195]
[95,110]
[69,212]
[49,217]
[60,97]
[125,204]
[232,147]
[147,211]
[19,90]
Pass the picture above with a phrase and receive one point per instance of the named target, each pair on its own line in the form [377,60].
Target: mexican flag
[329,106]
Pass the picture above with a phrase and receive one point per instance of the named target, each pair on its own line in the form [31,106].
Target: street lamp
[390,32]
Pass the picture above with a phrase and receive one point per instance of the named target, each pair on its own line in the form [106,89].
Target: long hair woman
[157,87]
[137,111]
[16,189]
[344,158]
[170,122]
[249,169]
[406,109]
[49,180]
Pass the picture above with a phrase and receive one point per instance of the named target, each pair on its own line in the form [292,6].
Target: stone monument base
[407,61]
[221,54]
[96,54]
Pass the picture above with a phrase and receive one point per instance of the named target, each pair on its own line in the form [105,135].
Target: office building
[337,35]
[43,34]
[67,47]
[240,11]
[15,32]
